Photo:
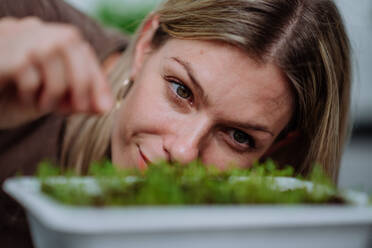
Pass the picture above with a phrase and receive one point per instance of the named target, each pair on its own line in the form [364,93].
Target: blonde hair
[304,38]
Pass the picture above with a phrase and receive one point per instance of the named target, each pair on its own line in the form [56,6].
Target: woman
[226,82]
[223,81]
[219,80]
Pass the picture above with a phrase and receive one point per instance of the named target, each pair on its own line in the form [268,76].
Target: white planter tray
[56,225]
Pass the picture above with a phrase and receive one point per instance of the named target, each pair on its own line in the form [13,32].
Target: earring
[124,88]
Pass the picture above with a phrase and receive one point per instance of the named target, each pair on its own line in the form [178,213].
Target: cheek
[141,113]
[223,162]
[145,109]
[217,154]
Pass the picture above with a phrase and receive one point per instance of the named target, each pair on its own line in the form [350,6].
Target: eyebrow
[190,72]
[251,126]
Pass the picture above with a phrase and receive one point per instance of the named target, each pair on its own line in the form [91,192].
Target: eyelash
[238,147]
[175,95]
[250,144]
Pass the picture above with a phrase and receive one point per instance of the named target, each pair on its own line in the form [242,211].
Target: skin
[56,70]
[165,116]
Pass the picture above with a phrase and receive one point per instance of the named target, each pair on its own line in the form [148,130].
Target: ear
[289,139]
[143,44]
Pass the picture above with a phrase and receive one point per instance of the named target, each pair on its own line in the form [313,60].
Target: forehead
[236,86]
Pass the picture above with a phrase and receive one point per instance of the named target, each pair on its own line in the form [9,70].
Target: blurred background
[356,167]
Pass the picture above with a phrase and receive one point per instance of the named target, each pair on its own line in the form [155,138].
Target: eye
[242,138]
[181,90]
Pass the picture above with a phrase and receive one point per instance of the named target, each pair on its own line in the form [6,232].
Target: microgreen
[192,184]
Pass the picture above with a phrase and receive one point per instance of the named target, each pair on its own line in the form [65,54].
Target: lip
[145,161]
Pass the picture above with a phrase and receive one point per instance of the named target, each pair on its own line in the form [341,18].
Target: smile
[143,161]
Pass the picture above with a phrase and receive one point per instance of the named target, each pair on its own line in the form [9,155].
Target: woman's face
[200,99]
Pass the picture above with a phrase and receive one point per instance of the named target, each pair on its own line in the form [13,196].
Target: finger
[28,82]
[78,77]
[65,107]
[14,51]
[54,83]
[8,23]
[100,93]
[57,38]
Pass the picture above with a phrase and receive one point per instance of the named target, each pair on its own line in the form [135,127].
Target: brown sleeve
[21,149]
[103,40]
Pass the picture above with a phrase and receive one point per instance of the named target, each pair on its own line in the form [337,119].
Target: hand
[47,67]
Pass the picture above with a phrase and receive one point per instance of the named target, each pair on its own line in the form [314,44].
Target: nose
[184,143]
